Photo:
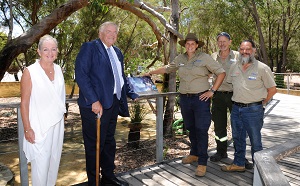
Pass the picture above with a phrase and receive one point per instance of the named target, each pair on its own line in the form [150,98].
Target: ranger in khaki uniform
[194,68]
[253,86]
[221,100]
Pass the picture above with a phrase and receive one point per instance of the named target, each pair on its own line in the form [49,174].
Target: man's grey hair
[105,24]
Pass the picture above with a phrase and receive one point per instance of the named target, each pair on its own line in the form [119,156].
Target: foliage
[202,18]
[137,112]
[3,40]
[136,38]
[279,80]
[293,60]
[276,23]
[73,32]
[137,42]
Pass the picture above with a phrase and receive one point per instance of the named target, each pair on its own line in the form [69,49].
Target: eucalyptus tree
[201,17]
[80,27]
[22,43]
[284,23]
[136,40]
[277,23]
[44,26]
[41,20]
[209,17]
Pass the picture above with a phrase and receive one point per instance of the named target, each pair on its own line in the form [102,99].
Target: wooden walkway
[175,173]
[282,123]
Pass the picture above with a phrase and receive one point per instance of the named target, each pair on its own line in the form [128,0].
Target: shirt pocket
[199,68]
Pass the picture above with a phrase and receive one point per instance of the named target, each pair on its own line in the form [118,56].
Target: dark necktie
[116,73]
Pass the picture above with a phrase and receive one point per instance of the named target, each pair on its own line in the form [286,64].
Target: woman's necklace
[48,70]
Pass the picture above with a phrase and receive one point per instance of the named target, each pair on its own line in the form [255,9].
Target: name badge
[253,76]
[198,61]
[231,61]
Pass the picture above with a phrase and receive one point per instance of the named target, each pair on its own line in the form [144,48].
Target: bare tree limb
[159,9]
[160,17]
[125,5]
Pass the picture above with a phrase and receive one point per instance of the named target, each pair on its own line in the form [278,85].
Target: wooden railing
[266,170]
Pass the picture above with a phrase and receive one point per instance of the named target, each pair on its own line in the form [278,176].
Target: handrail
[159,130]
[267,171]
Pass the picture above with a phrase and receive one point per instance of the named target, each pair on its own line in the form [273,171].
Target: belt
[224,92]
[193,95]
[247,104]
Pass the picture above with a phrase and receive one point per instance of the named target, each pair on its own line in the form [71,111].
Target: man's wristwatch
[212,90]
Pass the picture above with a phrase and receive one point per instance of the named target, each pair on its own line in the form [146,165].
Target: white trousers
[44,168]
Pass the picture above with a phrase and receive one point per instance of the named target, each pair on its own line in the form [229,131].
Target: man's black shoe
[112,182]
[248,165]
[218,156]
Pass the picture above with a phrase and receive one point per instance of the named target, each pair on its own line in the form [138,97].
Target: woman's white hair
[46,38]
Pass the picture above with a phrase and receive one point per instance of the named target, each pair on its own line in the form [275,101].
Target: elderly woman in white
[42,110]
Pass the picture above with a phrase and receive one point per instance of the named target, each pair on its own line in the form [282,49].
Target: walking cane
[98,149]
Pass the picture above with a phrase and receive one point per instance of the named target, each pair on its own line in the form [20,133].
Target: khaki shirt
[231,59]
[250,86]
[194,73]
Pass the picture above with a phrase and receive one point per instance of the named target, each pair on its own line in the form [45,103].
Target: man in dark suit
[99,71]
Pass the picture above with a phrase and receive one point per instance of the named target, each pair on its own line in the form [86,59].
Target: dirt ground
[72,167]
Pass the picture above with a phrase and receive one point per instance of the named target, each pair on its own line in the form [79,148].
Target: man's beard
[247,59]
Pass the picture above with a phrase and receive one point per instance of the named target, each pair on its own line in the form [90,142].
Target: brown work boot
[201,170]
[189,159]
[233,168]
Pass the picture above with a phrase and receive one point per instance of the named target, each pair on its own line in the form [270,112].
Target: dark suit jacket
[94,76]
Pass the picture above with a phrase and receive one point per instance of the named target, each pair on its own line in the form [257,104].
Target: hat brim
[200,43]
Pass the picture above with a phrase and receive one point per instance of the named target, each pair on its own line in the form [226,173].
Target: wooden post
[159,129]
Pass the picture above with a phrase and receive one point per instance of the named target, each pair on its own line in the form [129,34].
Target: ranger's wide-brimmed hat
[191,37]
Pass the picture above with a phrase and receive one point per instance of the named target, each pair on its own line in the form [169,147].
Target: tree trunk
[285,36]
[263,48]
[168,117]
[278,56]
[21,44]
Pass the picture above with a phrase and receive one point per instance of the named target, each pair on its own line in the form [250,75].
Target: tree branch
[26,40]
[158,9]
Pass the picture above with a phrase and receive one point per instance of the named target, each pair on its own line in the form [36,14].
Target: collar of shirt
[231,54]
[196,54]
[115,56]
